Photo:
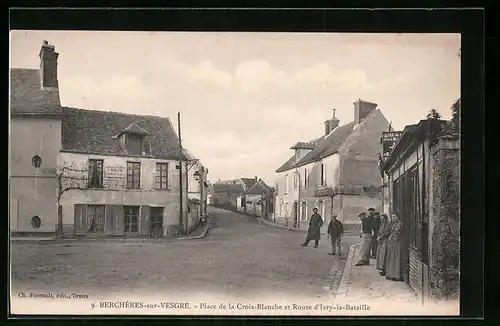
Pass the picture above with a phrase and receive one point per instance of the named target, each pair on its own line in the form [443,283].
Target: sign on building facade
[115,172]
[389,140]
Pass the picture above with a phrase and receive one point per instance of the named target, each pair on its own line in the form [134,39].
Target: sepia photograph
[234,173]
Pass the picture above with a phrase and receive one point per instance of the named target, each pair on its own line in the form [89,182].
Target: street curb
[203,234]
[262,221]
[129,240]
[346,275]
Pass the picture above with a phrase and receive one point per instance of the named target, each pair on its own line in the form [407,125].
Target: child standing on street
[335,232]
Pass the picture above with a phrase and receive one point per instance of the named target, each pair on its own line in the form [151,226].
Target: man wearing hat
[314,231]
[366,240]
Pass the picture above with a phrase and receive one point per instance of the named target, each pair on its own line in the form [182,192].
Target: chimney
[256,178]
[48,65]
[362,109]
[331,124]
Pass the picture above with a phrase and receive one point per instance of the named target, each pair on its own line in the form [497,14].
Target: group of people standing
[335,232]
[381,239]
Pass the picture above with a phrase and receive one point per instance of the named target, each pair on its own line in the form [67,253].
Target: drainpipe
[299,206]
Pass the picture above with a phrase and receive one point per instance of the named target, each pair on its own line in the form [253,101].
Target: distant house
[422,173]
[337,173]
[253,200]
[225,195]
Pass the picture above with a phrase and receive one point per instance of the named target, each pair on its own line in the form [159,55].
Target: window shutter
[80,219]
[109,223]
[145,218]
[147,147]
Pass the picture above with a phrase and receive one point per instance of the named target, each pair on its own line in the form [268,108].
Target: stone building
[225,195]
[86,172]
[34,144]
[423,173]
[119,175]
[337,173]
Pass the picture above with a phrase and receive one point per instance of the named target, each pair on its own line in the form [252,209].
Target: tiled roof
[228,188]
[89,131]
[287,165]
[27,96]
[323,147]
[303,145]
[133,128]
[249,182]
[257,189]
[329,145]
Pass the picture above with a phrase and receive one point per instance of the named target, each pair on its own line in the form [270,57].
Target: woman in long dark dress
[394,267]
[383,237]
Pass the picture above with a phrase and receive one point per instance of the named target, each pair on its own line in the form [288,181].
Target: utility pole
[181,222]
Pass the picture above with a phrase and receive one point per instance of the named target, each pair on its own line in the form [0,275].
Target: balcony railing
[347,190]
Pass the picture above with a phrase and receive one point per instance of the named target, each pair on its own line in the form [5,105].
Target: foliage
[69,177]
[433,114]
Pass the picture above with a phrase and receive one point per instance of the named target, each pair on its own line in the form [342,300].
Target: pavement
[239,261]
[197,233]
[364,289]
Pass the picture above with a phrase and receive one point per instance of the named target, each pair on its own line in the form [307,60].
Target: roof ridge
[119,113]
[303,162]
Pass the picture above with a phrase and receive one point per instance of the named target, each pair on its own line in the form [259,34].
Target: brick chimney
[48,65]
[331,124]
[362,109]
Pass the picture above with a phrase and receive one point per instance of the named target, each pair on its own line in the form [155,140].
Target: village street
[239,258]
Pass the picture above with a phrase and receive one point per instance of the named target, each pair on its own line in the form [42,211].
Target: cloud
[203,73]
[257,75]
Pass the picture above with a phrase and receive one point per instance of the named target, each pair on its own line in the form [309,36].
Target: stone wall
[445,215]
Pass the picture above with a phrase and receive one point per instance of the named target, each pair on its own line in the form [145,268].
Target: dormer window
[134,141]
[134,144]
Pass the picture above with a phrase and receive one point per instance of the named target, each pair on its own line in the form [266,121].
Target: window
[131,219]
[95,173]
[286,184]
[295,177]
[133,175]
[95,218]
[305,178]
[161,181]
[322,175]
[36,222]
[36,161]
[414,209]
[134,144]
[304,211]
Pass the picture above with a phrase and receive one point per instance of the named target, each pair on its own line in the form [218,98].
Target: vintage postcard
[226,173]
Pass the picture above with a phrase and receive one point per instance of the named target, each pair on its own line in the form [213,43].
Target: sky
[246,98]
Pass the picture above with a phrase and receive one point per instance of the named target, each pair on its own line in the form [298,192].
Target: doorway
[95,219]
[131,220]
[156,223]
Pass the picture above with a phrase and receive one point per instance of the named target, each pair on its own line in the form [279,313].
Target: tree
[68,177]
[433,115]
